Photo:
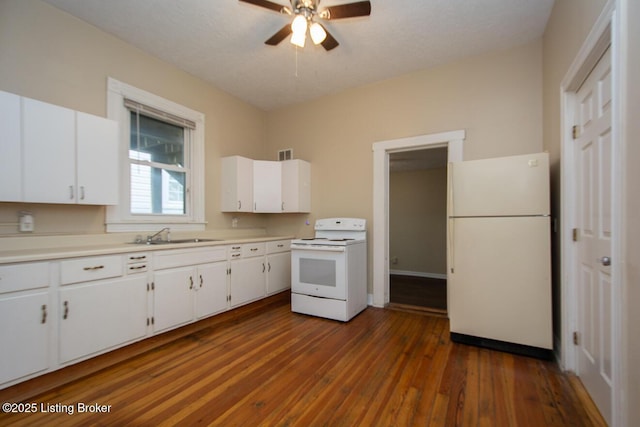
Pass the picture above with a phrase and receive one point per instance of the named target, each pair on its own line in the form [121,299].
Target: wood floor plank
[271,367]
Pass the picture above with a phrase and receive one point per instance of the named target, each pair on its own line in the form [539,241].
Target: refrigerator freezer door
[500,287]
[503,186]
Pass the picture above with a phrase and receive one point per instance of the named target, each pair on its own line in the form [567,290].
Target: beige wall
[568,26]
[49,55]
[496,97]
[418,221]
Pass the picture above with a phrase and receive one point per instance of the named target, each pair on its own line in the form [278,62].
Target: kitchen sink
[175,241]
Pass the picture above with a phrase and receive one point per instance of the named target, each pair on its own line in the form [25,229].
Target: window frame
[119,217]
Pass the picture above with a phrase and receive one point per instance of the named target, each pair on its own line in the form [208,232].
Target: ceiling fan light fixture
[299,25]
[318,34]
[298,38]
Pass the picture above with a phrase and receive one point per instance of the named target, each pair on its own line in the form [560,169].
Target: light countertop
[42,248]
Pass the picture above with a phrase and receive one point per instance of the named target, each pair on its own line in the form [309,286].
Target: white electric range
[329,271]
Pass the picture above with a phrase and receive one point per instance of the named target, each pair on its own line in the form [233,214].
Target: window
[162,163]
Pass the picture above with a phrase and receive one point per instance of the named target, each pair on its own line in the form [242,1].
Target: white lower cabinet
[98,316]
[24,334]
[56,313]
[211,289]
[25,320]
[248,273]
[188,284]
[172,298]
[278,266]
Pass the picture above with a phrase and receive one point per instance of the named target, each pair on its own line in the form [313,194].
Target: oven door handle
[318,248]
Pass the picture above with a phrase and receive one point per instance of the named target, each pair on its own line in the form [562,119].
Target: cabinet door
[173,297]
[211,289]
[24,334]
[97,161]
[296,186]
[49,152]
[247,280]
[278,272]
[97,316]
[237,184]
[10,156]
[267,186]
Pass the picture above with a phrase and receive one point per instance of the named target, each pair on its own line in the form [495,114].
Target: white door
[593,177]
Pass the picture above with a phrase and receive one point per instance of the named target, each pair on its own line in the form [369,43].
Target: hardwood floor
[418,291]
[272,367]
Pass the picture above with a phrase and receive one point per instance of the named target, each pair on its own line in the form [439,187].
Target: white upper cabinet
[51,154]
[265,186]
[237,184]
[48,142]
[267,183]
[10,157]
[296,186]
[97,151]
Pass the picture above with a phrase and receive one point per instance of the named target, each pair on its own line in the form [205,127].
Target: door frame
[381,150]
[604,34]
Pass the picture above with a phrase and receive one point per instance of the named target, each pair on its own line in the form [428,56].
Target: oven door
[319,271]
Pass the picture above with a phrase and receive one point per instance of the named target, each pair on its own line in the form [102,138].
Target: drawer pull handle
[66,310]
[253,249]
[235,255]
[281,245]
[97,267]
[235,247]
[44,314]
[138,257]
[139,267]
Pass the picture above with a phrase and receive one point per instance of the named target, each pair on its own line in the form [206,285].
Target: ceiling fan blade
[267,5]
[279,36]
[349,10]
[329,42]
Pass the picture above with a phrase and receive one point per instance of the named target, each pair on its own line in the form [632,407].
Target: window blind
[158,114]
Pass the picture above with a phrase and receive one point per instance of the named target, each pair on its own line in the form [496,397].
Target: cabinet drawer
[90,268]
[20,277]
[253,249]
[278,246]
[138,262]
[183,257]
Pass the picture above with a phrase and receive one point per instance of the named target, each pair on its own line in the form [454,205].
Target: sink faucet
[153,236]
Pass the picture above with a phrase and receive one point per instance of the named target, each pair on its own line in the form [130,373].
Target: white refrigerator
[499,277]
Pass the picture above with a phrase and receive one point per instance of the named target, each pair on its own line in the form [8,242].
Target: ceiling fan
[306,16]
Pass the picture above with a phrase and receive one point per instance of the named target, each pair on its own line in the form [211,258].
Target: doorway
[417,230]
[381,152]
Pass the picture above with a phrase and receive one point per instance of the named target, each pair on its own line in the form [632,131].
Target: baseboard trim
[521,349]
[418,274]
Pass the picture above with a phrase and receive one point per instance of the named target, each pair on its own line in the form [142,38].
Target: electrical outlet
[26,224]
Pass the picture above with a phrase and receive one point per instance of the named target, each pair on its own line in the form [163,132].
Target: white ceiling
[222,41]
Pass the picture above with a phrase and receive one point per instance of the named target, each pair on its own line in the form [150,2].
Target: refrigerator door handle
[450,212]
